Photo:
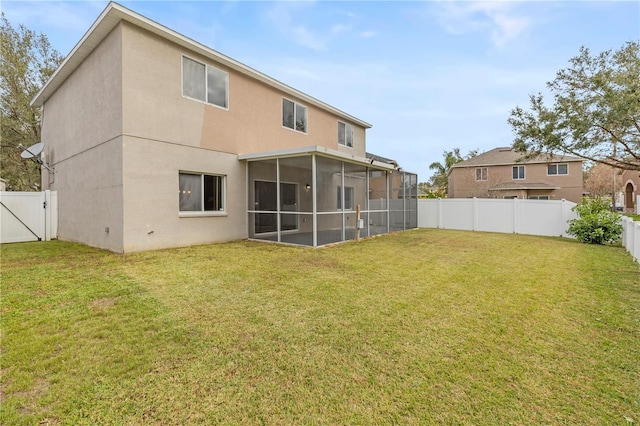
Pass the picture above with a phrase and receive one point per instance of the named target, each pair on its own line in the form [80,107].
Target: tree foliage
[595,224]
[440,177]
[601,179]
[595,113]
[27,61]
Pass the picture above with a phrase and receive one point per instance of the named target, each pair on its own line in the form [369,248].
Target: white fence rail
[631,237]
[516,216]
[28,216]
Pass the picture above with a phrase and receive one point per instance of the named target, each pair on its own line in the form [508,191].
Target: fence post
[516,219]
[635,249]
[474,212]
[47,214]
[439,214]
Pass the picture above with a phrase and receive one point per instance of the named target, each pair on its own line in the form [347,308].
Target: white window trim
[475,171]
[558,174]
[353,130]
[524,173]
[205,213]
[294,116]
[206,82]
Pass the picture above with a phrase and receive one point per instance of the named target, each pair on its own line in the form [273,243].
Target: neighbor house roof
[507,156]
[114,13]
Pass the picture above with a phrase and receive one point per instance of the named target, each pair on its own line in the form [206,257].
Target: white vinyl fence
[514,216]
[631,237]
[28,216]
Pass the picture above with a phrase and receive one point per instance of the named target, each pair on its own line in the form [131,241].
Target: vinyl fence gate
[28,216]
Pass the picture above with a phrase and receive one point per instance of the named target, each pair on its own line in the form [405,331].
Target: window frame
[539,197]
[349,130]
[207,67]
[222,196]
[486,174]
[348,201]
[295,116]
[515,175]
[557,167]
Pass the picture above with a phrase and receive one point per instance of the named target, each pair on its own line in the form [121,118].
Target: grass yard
[420,327]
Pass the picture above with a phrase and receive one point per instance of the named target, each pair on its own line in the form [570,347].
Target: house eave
[114,13]
[315,150]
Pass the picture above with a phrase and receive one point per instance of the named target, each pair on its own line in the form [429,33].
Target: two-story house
[503,173]
[158,141]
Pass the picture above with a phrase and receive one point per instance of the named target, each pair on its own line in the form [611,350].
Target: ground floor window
[201,192]
[538,197]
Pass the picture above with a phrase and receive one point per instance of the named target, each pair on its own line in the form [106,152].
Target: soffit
[316,150]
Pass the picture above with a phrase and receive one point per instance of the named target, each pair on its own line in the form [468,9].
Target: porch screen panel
[297,170]
[355,176]
[396,202]
[328,179]
[411,200]
[262,201]
[377,190]
[329,228]
[377,223]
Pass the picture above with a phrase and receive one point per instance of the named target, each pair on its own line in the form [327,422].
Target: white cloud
[285,17]
[311,26]
[498,20]
[367,34]
[54,15]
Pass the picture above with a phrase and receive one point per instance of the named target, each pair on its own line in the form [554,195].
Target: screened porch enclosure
[312,199]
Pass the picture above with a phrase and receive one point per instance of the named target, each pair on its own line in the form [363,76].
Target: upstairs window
[557,169]
[205,83]
[201,193]
[294,115]
[481,173]
[345,134]
[518,172]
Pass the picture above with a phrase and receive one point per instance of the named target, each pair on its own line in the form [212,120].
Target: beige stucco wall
[154,107]
[151,211]
[81,130]
[462,183]
[118,132]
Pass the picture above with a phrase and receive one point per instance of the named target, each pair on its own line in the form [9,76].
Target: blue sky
[429,76]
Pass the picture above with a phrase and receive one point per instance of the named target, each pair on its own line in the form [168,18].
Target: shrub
[596,224]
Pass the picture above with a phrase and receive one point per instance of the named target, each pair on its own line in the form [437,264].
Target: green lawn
[420,327]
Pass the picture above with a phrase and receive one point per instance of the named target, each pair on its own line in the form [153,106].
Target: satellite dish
[33,151]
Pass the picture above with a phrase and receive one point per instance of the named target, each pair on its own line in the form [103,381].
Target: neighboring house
[502,173]
[631,190]
[159,141]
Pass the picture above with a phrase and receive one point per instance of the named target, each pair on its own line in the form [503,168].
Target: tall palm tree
[439,179]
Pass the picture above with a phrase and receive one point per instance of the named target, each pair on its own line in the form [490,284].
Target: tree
[599,180]
[595,114]
[27,61]
[439,180]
